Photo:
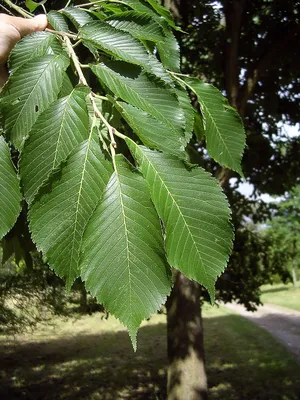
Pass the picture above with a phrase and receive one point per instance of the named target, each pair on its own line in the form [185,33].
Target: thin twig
[89,4]
[93,3]
[69,35]
[98,96]
[6,10]
[181,81]
[68,3]
[20,10]
[83,81]
[178,74]
[75,60]
[76,44]
[111,129]
[113,155]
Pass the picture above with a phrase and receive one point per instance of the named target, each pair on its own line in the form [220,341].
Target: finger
[26,26]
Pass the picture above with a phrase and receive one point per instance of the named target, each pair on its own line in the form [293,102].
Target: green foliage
[283,231]
[225,138]
[118,221]
[10,196]
[123,260]
[194,213]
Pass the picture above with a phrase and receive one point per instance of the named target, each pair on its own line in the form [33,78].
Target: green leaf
[137,5]
[139,25]
[27,94]
[58,21]
[10,196]
[136,88]
[66,87]
[77,16]
[165,13]
[224,131]
[33,46]
[123,260]
[32,5]
[195,214]
[199,127]
[169,51]
[58,219]
[112,8]
[153,132]
[188,110]
[57,131]
[122,46]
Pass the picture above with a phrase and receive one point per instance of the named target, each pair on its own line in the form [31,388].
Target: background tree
[283,231]
[247,49]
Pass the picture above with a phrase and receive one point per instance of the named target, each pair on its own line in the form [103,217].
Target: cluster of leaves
[117,210]
[283,230]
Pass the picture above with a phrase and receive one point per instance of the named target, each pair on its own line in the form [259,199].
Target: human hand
[12,29]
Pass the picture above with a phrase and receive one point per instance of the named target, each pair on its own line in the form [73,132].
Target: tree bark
[294,263]
[294,275]
[186,373]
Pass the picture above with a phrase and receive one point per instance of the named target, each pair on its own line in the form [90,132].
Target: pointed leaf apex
[133,336]
[211,292]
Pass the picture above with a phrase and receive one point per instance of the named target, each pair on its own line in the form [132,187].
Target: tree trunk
[294,264]
[186,372]
[294,274]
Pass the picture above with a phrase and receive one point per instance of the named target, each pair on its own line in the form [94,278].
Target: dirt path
[282,323]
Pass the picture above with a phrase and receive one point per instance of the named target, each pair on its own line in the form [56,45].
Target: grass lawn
[92,359]
[282,295]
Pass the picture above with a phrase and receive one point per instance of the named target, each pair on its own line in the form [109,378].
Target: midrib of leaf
[126,234]
[178,208]
[79,194]
[217,130]
[36,84]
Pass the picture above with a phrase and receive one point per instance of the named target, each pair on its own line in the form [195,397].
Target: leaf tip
[69,284]
[211,292]
[133,336]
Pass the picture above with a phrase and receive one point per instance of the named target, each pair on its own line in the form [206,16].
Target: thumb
[26,26]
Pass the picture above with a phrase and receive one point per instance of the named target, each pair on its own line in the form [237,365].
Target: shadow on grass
[241,366]
[276,289]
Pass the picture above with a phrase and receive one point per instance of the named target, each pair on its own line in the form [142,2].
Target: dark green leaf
[169,51]
[27,94]
[56,132]
[137,89]
[195,214]
[33,46]
[58,21]
[123,46]
[153,132]
[58,219]
[139,25]
[163,12]
[123,260]
[10,196]
[188,110]
[224,131]
[77,16]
